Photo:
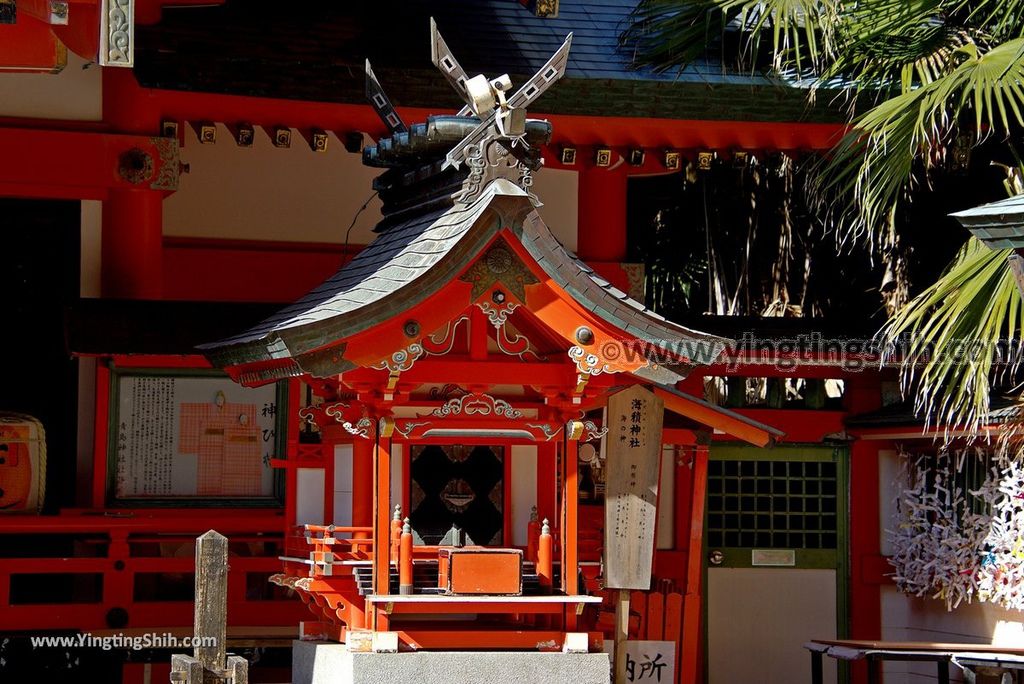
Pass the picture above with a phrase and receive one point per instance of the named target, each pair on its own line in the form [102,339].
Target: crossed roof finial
[502,117]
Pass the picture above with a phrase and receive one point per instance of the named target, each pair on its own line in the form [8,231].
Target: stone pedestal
[318,662]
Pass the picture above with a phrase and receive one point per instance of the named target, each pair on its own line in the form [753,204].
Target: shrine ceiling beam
[84,165]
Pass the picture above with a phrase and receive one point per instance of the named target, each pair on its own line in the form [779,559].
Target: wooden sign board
[648,662]
[635,418]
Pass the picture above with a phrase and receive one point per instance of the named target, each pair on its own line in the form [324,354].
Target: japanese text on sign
[634,453]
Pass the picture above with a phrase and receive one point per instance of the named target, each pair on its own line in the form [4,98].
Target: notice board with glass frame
[193,437]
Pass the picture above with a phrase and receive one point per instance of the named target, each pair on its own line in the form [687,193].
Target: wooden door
[775,554]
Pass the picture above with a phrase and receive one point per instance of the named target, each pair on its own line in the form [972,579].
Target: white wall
[760,618]
[343,485]
[309,496]
[269,193]
[907,618]
[524,492]
[558,189]
[76,93]
[294,194]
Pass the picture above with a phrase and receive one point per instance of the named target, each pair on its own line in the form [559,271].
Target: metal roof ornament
[490,137]
[502,118]
[381,103]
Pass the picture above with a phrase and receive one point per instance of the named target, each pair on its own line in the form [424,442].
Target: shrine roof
[456,186]
[316,54]
[412,260]
[1000,225]
[901,414]
[397,258]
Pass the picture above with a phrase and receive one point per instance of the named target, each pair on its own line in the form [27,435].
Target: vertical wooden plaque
[635,418]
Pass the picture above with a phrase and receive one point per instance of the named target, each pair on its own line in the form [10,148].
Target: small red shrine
[463,332]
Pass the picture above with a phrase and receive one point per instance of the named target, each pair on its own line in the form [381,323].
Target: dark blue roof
[315,51]
[497,36]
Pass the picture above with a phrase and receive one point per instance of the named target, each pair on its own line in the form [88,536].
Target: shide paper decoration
[959,528]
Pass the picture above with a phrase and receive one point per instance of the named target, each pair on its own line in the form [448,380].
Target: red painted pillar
[602,215]
[380,515]
[685,459]
[362,482]
[132,246]
[865,599]
[546,478]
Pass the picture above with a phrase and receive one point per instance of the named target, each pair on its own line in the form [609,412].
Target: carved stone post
[209,662]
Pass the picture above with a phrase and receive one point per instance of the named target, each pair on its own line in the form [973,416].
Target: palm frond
[1002,19]
[877,41]
[665,34]
[951,340]
[872,165]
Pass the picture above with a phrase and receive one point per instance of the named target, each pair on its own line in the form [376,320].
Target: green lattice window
[791,504]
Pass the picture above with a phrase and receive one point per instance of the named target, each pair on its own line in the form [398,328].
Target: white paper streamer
[958,546]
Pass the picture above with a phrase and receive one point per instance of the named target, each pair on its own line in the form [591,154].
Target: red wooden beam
[718,418]
[458,371]
[381,521]
[85,164]
[141,109]
[30,46]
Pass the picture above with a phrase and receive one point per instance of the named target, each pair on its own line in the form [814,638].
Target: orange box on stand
[481,571]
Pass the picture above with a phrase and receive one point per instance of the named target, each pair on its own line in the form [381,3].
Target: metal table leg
[816,670]
[873,669]
[943,671]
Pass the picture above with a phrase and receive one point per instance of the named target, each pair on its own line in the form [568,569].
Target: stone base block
[318,662]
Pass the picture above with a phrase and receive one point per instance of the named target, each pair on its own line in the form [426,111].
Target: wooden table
[966,656]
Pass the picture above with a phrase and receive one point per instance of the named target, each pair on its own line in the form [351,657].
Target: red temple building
[246,299]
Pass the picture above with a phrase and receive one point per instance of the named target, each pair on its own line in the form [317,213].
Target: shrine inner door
[459,485]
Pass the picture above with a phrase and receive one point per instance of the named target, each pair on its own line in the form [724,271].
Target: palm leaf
[665,34]
[1002,19]
[872,165]
[946,338]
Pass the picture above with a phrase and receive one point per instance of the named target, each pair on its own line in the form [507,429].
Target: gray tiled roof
[413,260]
[404,259]
[317,54]
[999,224]
[614,305]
